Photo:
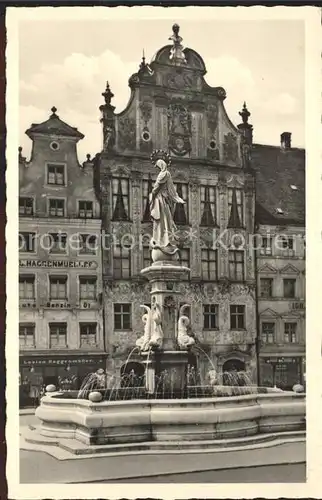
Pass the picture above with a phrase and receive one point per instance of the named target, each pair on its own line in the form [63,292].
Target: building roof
[54,125]
[280,185]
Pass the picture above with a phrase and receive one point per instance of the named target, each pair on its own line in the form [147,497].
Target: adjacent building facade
[171,107]
[280,218]
[60,277]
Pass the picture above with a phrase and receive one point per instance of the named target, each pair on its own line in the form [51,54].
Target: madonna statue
[163,200]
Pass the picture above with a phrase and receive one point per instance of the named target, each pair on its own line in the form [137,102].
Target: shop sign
[27,304]
[57,305]
[297,306]
[286,360]
[60,264]
[61,362]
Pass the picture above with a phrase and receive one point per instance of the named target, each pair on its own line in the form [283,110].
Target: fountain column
[167,360]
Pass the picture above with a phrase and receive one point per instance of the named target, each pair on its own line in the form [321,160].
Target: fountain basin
[138,421]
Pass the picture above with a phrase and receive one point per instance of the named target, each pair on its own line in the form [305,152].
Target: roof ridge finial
[244,113]
[53,110]
[108,94]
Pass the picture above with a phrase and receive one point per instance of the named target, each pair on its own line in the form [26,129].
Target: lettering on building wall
[76,361]
[58,305]
[65,264]
[298,306]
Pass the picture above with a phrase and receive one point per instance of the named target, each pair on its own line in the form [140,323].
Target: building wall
[287,359]
[41,360]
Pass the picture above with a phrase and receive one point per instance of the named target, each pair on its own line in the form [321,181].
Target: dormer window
[294,188]
[56,175]
[279,211]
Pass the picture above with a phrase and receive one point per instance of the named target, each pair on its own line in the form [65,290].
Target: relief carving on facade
[126,133]
[180,80]
[146,111]
[212,117]
[179,129]
[230,147]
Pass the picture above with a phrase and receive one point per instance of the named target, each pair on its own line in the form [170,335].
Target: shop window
[268,333]
[237,317]
[27,242]
[235,208]
[121,261]
[88,244]
[210,316]
[289,288]
[290,333]
[147,258]
[88,334]
[266,287]
[58,334]
[26,335]
[209,261]
[26,206]
[56,175]
[181,213]
[87,288]
[184,257]
[120,199]
[85,209]
[56,207]
[58,243]
[122,316]
[208,205]
[236,265]
[58,287]
[266,245]
[27,287]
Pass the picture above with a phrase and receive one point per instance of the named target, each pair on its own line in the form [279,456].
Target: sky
[66,63]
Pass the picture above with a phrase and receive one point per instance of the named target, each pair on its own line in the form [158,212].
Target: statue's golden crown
[159,154]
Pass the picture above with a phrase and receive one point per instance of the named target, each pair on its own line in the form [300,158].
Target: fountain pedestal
[166,367]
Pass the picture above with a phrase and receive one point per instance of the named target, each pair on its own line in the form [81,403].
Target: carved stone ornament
[146,111]
[179,79]
[126,133]
[179,129]
[212,117]
[230,147]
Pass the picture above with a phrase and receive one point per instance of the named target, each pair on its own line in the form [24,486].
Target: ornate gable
[289,269]
[269,313]
[54,126]
[267,269]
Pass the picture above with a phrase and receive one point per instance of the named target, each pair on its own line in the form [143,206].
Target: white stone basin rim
[110,422]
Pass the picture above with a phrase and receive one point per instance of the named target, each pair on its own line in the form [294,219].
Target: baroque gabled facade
[172,108]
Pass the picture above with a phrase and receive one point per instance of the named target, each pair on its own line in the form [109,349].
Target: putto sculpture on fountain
[184,339]
[153,334]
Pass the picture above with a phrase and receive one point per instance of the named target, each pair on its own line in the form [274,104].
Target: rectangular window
[239,206]
[26,335]
[120,199]
[286,246]
[122,316]
[290,333]
[268,333]
[85,209]
[210,316]
[87,333]
[184,256]
[266,245]
[26,206]
[56,208]
[88,244]
[56,175]
[87,288]
[146,190]
[58,287]
[58,243]
[236,265]
[287,243]
[147,258]
[27,287]
[181,213]
[208,205]
[237,317]
[58,334]
[289,288]
[266,287]
[121,262]
[26,242]
[209,264]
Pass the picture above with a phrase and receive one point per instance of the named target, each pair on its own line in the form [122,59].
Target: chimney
[286,140]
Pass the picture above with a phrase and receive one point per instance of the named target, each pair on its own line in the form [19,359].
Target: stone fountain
[165,343]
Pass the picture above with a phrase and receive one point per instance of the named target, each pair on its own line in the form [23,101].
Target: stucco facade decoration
[60,276]
[172,108]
